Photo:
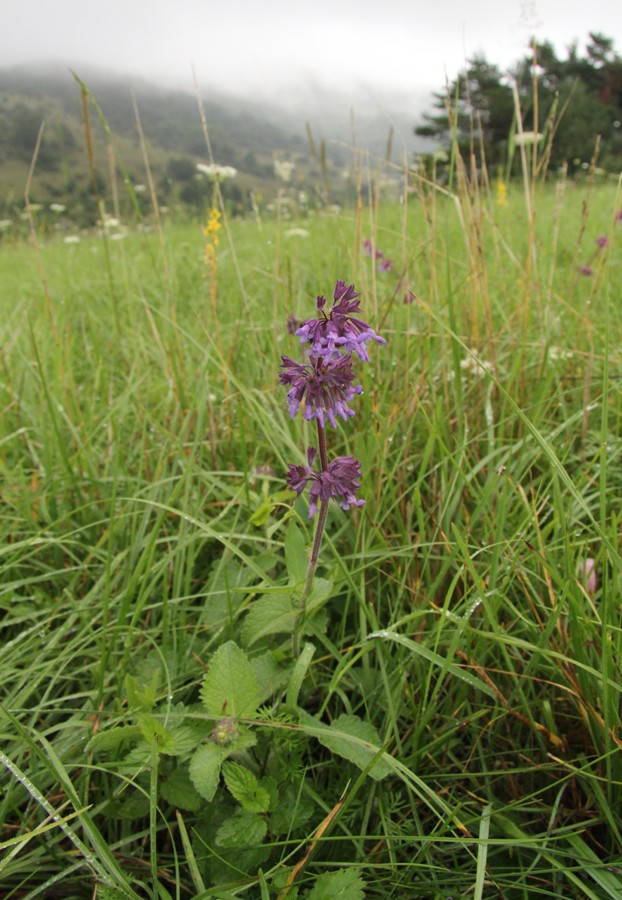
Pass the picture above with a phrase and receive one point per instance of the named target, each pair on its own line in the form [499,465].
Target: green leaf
[265,509]
[295,554]
[292,812]
[142,695]
[205,769]
[269,675]
[352,738]
[243,786]
[225,592]
[153,730]
[112,738]
[276,612]
[184,740]
[438,660]
[229,687]
[273,613]
[179,791]
[242,829]
[343,884]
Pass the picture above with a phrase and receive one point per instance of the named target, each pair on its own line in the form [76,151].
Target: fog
[280,46]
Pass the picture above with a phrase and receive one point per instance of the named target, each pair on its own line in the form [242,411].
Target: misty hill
[245,133]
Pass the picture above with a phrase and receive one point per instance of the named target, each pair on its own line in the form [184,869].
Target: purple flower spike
[325,386]
[385,265]
[602,241]
[338,330]
[340,481]
[584,270]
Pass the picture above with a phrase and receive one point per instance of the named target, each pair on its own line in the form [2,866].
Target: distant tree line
[573,102]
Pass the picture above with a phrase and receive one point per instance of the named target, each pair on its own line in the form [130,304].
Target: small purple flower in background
[384,264]
[619,215]
[409,296]
[588,575]
[586,270]
[292,324]
[324,384]
[368,249]
[339,481]
[602,241]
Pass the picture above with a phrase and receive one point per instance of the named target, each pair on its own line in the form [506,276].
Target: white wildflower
[283,170]
[528,138]
[474,366]
[216,172]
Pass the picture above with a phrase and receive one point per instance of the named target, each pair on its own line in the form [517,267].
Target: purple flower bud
[340,481]
[292,324]
[602,241]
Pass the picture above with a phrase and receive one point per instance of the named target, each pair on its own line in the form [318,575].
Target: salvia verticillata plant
[323,386]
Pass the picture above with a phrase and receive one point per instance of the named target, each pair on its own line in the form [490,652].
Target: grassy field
[445,718]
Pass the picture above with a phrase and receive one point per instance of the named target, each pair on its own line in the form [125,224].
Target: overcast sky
[272,44]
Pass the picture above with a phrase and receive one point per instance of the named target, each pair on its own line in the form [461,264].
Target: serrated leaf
[269,675]
[277,612]
[343,884]
[229,687]
[242,829]
[205,769]
[352,738]
[141,695]
[110,893]
[243,786]
[184,740]
[179,791]
[274,613]
[153,730]
[295,553]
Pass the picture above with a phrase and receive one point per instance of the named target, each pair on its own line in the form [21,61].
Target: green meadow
[443,717]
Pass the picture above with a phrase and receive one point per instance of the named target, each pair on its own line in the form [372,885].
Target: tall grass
[141,440]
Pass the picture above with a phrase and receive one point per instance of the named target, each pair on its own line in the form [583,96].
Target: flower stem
[321,444]
[317,542]
[315,552]
[321,520]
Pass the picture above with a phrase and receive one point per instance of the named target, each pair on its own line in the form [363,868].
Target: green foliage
[343,883]
[353,739]
[230,688]
[452,721]
[575,104]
